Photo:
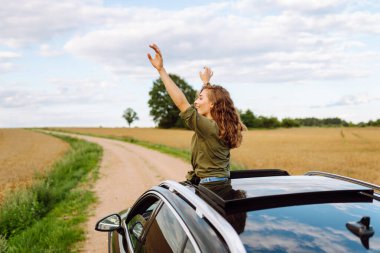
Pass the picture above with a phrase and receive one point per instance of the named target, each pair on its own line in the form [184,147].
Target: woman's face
[203,104]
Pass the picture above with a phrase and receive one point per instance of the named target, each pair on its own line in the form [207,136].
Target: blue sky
[81,63]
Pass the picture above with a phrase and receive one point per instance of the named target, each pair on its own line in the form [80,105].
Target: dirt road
[126,171]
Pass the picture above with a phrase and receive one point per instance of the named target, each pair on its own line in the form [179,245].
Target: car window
[139,217]
[165,234]
[189,248]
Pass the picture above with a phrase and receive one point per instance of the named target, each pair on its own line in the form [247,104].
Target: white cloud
[30,21]
[63,115]
[325,239]
[81,85]
[47,51]
[6,58]
[273,48]
[354,100]
[311,6]
[70,92]
[351,100]
[216,34]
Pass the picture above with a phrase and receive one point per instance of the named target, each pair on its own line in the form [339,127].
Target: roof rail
[257,173]
[204,210]
[348,179]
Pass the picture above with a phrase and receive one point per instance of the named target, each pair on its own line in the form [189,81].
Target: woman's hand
[157,62]
[206,75]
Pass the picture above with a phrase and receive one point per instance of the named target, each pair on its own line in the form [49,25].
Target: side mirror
[109,223]
[137,230]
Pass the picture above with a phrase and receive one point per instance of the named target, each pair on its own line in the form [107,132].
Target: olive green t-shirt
[210,157]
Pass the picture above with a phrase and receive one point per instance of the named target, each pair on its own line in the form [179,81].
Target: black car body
[254,211]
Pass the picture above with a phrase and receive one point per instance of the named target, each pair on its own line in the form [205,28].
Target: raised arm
[175,93]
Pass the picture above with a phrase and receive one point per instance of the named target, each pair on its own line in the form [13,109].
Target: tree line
[253,121]
[166,115]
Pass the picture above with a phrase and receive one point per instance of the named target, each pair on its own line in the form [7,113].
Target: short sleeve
[200,124]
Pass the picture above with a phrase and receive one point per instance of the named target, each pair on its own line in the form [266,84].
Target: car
[253,211]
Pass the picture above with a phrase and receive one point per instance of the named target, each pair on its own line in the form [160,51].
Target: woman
[214,119]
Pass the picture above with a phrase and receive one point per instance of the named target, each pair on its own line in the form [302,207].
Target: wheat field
[23,153]
[353,152]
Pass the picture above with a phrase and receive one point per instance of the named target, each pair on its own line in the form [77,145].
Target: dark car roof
[296,213]
[247,194]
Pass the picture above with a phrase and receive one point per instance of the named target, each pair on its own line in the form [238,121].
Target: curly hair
[225,115]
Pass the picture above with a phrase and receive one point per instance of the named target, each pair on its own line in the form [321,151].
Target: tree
[271,122]
[248,118]
[162,108]
[334,122]
[288,123]
[309,121]
[130,115]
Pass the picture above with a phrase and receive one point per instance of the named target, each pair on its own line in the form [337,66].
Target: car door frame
[147,225]
[162,200]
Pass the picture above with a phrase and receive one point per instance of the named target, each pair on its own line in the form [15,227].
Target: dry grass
[353,152]
[23,153]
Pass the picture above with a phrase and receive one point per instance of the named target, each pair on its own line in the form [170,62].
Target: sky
[82,63]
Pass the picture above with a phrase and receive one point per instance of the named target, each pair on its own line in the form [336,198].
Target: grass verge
[47,216]
[183,154]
